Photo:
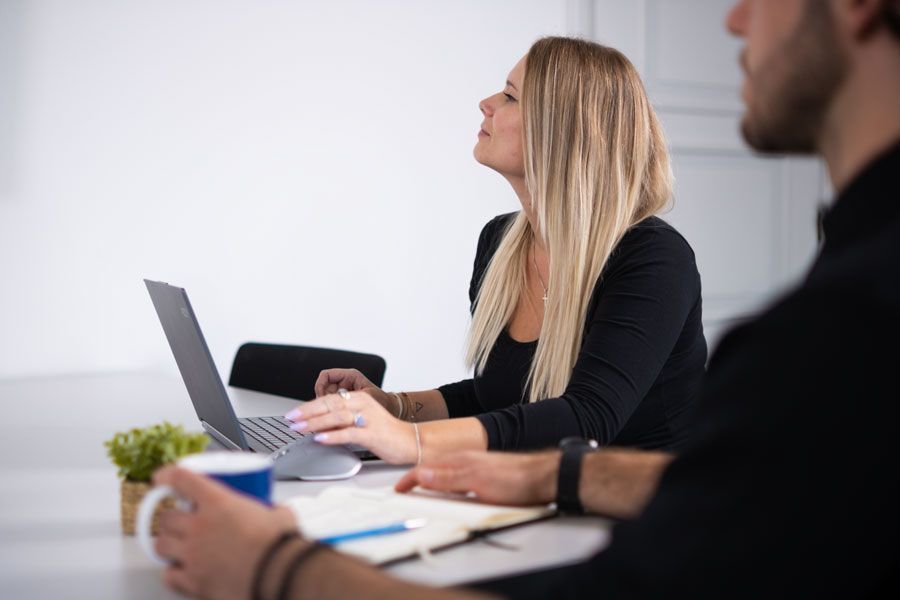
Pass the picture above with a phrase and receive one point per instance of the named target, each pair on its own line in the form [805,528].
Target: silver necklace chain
[541,279]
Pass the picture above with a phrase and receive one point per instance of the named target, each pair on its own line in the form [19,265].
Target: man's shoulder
[821,339]
[853,291]
[869,268]
[829,304]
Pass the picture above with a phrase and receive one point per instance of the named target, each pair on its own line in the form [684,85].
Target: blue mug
[246,472]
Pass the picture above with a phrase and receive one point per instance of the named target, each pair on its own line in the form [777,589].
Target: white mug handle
[145,520]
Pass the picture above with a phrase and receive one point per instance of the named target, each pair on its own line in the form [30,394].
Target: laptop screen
[194,360]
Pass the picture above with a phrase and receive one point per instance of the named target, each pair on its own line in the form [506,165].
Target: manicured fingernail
[300,426]
[292,414]
[426,475]
[320,437]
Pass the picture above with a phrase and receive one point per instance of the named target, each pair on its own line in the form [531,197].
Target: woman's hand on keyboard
[331,380]
[357,418]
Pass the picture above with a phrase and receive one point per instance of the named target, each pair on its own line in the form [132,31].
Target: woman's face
[499,143]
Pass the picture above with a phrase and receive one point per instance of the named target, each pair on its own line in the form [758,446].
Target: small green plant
[139,452]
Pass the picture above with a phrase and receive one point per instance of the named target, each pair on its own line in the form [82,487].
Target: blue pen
[373,531]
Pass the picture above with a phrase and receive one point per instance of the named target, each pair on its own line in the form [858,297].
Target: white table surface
[59,494]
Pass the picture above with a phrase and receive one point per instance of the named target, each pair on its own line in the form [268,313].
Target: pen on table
[373,531]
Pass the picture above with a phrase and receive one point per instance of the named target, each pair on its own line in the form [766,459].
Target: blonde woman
[586,312]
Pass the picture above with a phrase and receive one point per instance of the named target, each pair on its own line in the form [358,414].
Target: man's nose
[736,21]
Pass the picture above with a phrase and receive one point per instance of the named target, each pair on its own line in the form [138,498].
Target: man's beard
[793,89]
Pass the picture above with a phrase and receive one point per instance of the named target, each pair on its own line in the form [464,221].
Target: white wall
[750,219]
[305,170]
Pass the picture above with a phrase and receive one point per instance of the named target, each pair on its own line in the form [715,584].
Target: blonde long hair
[596,164]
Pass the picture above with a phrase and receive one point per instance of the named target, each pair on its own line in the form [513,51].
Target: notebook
[449,520]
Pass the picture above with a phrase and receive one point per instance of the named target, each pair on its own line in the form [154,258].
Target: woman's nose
[485,107]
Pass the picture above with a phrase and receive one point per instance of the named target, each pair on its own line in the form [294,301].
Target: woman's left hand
[215,548]
[357,418]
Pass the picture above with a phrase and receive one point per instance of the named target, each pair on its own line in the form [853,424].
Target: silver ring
[344,394]
[359,420]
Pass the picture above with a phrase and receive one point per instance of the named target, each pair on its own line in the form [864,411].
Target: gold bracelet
[418,444]
[399,404]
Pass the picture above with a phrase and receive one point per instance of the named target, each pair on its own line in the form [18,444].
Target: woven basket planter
[132,494]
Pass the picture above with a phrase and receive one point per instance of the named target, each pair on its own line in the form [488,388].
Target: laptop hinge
[217,435]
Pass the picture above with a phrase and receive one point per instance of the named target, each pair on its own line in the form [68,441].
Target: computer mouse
[310,460]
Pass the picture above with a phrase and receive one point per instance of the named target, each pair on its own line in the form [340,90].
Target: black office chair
[292,371]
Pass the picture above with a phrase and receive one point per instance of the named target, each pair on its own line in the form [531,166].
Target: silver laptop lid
[196,363]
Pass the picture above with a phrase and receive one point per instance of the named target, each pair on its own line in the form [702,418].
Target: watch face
[577,442]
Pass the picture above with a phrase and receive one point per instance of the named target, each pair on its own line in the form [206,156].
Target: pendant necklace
[541,279]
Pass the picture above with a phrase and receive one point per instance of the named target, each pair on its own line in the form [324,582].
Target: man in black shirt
[790,486]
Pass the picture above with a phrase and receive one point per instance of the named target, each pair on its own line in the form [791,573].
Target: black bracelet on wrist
[267,556]
[292,568]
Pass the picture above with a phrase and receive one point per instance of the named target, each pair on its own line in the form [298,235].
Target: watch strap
[569,479]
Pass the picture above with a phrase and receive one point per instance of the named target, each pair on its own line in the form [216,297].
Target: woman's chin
[478,154]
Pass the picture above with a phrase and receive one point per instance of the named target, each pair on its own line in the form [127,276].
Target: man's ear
[861,18]
[892,15]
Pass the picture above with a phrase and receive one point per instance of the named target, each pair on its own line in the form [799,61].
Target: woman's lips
[483,133]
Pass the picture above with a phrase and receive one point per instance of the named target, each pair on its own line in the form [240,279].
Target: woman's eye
[509,97]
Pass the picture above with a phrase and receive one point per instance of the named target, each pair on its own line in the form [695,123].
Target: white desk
[59,495]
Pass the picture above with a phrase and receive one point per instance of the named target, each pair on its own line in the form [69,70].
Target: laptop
[269,435]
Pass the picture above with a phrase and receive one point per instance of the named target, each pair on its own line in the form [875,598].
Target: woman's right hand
[357,418]
[331,380]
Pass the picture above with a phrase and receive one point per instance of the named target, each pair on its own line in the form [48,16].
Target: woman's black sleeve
[645,295]
[460,397]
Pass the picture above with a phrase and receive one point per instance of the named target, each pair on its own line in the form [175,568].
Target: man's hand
[614,482]
[214,548]
[495,477]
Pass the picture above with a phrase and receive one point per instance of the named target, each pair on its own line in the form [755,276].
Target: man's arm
[328,574]
[614,482]
[619,483]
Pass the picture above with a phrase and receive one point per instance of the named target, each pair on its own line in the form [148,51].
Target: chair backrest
[292,371]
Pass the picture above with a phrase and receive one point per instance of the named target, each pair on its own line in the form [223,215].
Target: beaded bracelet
[291,573]
[266,558]
[409,405]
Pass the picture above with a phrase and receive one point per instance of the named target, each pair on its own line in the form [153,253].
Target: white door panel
[750,219]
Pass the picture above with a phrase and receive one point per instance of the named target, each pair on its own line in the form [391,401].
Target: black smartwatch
[573,451]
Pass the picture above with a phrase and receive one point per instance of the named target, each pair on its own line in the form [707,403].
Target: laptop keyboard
[271,432]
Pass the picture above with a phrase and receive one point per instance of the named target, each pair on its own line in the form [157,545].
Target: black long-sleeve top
[641,360]
[791,486]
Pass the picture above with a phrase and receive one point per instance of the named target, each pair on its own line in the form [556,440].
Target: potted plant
[140,452]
